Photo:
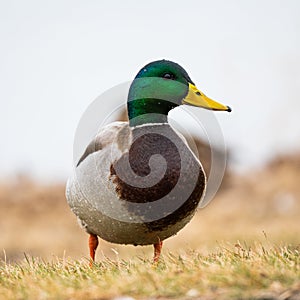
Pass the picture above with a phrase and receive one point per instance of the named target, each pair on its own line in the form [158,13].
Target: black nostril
[198,93]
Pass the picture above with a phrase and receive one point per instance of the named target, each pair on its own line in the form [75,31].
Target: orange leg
[157,251]
[93,244]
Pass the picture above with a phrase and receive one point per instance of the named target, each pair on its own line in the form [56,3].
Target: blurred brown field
[259,207]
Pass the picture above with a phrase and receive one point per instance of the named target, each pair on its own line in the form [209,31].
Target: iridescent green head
[159,87]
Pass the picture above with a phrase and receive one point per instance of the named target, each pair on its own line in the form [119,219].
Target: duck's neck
[143,111]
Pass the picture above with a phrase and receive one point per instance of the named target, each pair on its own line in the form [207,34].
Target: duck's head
[161,86]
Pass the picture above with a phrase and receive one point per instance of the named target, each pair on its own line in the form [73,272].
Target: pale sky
[56,57]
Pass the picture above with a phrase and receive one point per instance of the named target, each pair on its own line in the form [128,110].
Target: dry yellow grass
[219,254]
[236,272]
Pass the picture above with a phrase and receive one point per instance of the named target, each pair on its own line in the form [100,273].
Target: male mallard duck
[138,182]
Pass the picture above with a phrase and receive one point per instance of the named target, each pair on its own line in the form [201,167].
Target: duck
[138,182]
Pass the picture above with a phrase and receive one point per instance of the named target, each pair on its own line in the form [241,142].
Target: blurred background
[57,57]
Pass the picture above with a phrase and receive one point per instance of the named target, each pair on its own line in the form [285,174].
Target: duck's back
[136,186]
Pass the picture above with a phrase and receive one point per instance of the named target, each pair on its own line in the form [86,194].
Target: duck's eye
[168,76]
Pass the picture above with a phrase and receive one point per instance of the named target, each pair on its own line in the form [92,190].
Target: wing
[94,145]
[110,133]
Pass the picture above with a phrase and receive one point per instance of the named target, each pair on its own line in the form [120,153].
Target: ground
[243,245]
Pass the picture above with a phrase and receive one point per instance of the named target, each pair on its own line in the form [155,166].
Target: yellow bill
[197,98]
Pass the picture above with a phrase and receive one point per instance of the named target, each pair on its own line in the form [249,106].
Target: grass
[232,272]
[36,219]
